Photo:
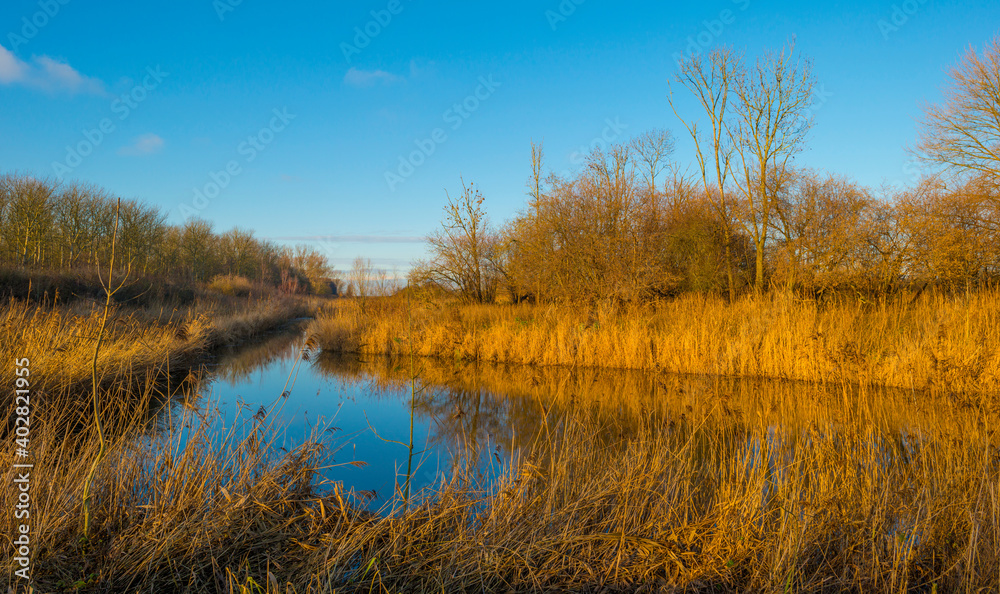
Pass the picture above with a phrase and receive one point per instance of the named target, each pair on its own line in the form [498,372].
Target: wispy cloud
[11,69]
[147,144]
[46,73]
[356,77]
[360,78]
[57,75]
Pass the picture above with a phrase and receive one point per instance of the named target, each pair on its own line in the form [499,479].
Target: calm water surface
[472,420]
[361,415]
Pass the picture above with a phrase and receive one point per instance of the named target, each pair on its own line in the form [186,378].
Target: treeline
[630,226]
[46,225]
[606,234]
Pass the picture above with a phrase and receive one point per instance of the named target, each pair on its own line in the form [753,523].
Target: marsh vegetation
[753,378]
[610,479]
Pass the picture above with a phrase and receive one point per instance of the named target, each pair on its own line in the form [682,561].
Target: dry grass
[164,518]
[723,509]
[59,341]
[933,340]
[696,496]
[231,284]
[671,484]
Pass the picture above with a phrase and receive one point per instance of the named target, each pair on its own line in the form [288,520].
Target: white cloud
[146,144]
[367,78]
[45,73]
[62,76]
[11,69]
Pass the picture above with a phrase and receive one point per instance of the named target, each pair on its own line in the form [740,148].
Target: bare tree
[711,83]
[886,243]
[772,107]
[954,231]
[362,276]
[140,232]
[523,243]
[537,165]
[652,150]
[964,134]
[197,248]
[462,248]
[109,291]
[615,242]
[384,282]
[28,219]
[236,250]
[823,233]
[73,219]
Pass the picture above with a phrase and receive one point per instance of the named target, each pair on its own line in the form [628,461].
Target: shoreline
[930,342]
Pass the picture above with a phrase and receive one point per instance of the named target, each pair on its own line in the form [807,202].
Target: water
[472,421]
[362,417]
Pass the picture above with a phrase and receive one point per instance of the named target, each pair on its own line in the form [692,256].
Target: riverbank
[913,341]
[59,340]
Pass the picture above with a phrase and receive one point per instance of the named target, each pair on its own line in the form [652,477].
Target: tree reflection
[475,407]
[485,418]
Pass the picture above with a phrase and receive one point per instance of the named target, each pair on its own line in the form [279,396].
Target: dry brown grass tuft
[231,284]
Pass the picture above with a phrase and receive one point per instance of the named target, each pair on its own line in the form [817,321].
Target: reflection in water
[363,419]
[476,426]
[472,420]
[238,364]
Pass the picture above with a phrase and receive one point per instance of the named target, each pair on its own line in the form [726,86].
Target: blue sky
[281,118]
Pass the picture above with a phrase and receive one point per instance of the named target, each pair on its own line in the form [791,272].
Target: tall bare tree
[711,82]
[771,124]
[236,251]
[74,213]
[361,276]
[535,191]
[963,134]
[28,218]
[537,167]
[316,268]
[196,248]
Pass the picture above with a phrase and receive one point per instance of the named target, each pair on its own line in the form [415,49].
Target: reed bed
[626,482]
[706,510]
[949,341]
[715,501]
[182,509]
[59,340]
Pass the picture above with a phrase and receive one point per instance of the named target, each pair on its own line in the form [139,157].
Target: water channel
[472,420]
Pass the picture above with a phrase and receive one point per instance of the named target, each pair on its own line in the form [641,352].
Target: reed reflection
[480,423]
